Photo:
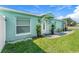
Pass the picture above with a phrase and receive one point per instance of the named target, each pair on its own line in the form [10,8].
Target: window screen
[22,26]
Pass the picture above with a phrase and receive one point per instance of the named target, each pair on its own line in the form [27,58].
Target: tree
[70,22]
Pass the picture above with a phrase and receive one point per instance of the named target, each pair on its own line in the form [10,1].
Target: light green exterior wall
[59,25]
[11,25]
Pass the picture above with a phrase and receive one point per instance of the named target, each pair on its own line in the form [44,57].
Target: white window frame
[20,34]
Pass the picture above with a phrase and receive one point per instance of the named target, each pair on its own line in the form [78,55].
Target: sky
[59,11]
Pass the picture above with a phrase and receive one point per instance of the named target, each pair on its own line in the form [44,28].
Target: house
[15,25]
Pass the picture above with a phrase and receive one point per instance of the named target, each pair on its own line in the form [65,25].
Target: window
[22,25]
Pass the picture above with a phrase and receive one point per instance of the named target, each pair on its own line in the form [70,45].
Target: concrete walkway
[56,35]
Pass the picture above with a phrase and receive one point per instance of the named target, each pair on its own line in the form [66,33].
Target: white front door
[2,32]
[43,27]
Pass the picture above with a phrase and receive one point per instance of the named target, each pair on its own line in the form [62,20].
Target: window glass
[22,26]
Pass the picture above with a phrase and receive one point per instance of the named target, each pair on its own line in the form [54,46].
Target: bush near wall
[38,30]
[52,29]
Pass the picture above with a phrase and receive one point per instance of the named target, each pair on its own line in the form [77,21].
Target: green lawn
[69,43]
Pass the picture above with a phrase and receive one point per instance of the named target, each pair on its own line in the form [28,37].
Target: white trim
[23,33]
[22,25]
[8,9]
[12,10]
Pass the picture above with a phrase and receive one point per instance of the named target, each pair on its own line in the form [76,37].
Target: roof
[27,13]
[59,20]
[12,10]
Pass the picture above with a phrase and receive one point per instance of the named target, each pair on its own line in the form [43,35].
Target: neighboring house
[19,25]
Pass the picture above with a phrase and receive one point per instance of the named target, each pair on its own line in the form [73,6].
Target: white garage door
[2,32]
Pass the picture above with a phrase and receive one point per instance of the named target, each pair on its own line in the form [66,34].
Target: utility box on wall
[2,32]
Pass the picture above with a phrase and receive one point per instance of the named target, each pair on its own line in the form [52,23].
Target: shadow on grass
[22,47]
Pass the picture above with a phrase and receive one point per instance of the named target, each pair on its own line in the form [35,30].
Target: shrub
[38,30]
[65,28]
[52,29]
[70,22]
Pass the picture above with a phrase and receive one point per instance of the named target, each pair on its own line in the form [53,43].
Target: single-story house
[15,25]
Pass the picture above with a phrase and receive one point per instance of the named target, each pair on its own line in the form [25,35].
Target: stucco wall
[58,24]
[11,25]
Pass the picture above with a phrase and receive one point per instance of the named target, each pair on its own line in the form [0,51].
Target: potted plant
[52,29]
[65,28]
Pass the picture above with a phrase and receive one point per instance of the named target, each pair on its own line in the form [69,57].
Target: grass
[69,43]
[22,47]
